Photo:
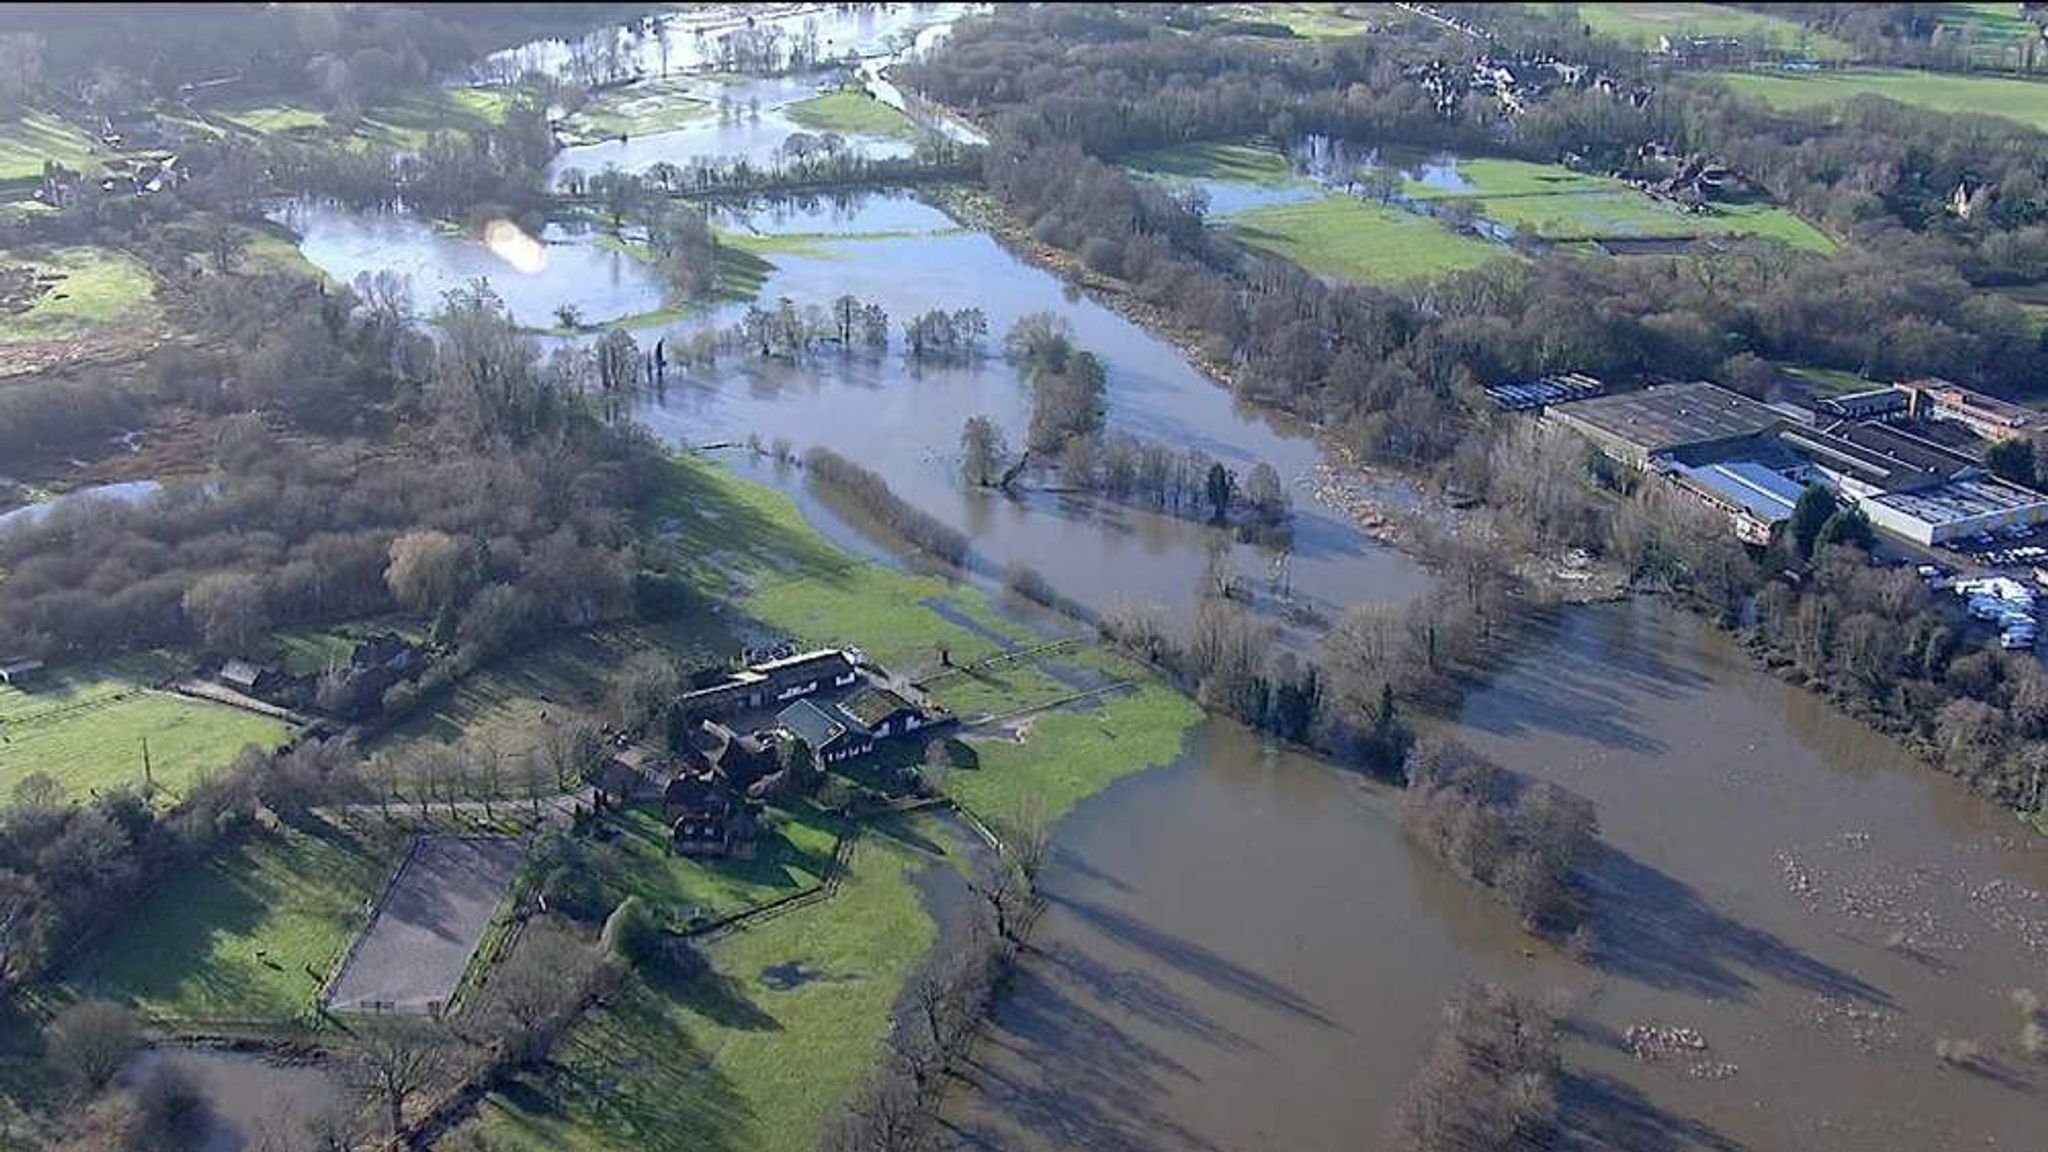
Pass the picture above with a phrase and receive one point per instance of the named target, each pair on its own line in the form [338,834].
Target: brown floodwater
[1243,951]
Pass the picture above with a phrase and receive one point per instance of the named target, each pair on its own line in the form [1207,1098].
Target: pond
[1244,950]
[251,1102]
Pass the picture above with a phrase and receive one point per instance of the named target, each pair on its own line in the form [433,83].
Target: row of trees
[872,495]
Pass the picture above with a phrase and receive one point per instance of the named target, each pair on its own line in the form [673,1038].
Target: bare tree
[543,980]
[398,1058]
[88,1042]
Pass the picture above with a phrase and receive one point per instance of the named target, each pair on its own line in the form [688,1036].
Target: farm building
[834,736]
[706,818]
[18,670]
[773,681]
[1697,420]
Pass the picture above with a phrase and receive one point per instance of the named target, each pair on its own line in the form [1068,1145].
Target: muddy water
[251,1103]
[753,128]
[1099,553]
[1821,908]
[1244,952]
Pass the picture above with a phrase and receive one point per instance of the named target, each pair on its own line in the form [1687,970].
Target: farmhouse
[834,736]
[774,681]
[706,818]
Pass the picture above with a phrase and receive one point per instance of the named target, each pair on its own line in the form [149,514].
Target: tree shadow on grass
[715,995]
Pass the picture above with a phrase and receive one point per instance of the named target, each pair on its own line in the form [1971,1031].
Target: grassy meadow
[638,109]
[1354,239]
[2021,101]
[850,112]
[1643,24]
[86,729]
[78,290]
[247,934]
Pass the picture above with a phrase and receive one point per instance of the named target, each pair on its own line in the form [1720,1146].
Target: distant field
[1997,34]
[849,112]
[1643,24]
[33,137]
[2021,101]
[1556,203]
[86,729]
[233,937]
[75,290]
[1827,381]
[1353,239]
[404,120]
[1315,21]
[1243,163]
[635,110]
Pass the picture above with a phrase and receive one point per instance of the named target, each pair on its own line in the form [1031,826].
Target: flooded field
[1244,951]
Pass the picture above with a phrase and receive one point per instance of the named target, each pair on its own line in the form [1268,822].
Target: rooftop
[810,723]
[1674,415]
[1908,448]
[1767,495]
[1979,404]
[871,706]
[1961,500]
[1848,457]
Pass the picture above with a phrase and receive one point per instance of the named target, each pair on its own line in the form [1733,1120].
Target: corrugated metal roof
[1767,495]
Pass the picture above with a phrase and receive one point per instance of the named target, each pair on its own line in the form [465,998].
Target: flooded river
[1243,951]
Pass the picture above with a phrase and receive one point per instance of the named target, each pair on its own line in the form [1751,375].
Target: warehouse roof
[1767,495]
[1673,415]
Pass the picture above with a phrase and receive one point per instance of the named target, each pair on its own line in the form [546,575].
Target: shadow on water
[1597,1113]
[1109,1103]
[1654,928]
[1193,959]
[1584,688]
[1144,996]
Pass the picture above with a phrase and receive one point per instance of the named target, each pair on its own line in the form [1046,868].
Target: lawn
[267,119]
[231,937]
[32,137]
[1240,163]
[1827,381]
[2021,101]
[755,1055]
[634,859]
[1354,239]
[1996,33]
[1643,24]
[79,289]
[86,728]
[640,109]
[850,111]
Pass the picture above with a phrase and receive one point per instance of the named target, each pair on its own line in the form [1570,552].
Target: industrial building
[1559,388]
[1696,421]
[1935,399]
[1955,510]
[1755,497]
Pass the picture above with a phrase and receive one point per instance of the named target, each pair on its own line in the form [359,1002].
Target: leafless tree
[88,1042]
[399,1057]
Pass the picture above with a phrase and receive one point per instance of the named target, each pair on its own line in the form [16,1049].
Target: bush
[631,934]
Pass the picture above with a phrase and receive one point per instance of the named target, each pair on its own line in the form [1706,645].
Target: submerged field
[2021,101]
[635,110]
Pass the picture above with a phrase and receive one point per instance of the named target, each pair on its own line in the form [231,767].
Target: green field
[230,938]
[1313,21]
[850,112]
[637,862]
[1240,163]
[635,110]
[33,137]
[1643,24]
[1553,202]
[2021,101]
[739,1058]
[403,121]
[1827,381]
[1358,240]
[1995,35]
[86,729]
[80,289]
